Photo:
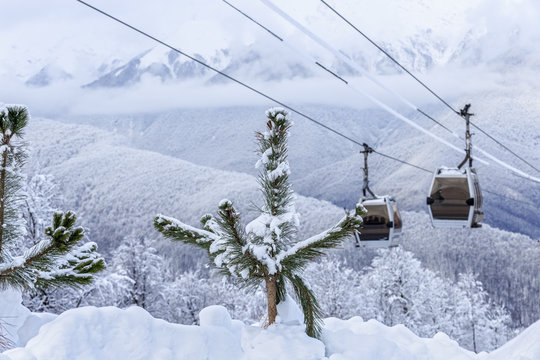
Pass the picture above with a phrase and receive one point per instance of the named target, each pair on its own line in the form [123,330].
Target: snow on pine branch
[174,225]
[278,112]
[311,241]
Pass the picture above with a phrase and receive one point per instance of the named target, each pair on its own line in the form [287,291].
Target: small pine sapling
[56,260]
[267,249]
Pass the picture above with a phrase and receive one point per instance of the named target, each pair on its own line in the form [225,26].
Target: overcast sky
[35,33]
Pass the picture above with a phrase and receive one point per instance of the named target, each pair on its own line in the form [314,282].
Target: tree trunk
[474,338]
[271,293]
[3,174]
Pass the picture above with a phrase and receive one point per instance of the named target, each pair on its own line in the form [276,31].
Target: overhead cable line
[425,86]
[240,82]
[345,58]
[401,161]
[363,93]
[391,57]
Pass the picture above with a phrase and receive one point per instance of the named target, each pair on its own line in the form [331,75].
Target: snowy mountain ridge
[420,34]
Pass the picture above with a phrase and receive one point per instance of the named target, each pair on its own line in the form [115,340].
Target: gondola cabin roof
[450,172]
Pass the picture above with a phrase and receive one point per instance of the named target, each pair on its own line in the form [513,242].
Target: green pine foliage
[267,249]
[55,261]
[12,122]
[58,259]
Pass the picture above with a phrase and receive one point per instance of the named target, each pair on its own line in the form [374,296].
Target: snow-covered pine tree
[55,260]
[137,261]
[266,250]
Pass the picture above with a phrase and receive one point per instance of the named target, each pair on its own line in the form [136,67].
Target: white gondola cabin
[382,223]
[455,199]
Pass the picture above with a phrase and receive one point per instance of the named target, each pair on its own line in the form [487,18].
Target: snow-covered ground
[112,333]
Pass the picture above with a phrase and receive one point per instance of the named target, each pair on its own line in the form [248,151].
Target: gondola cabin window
[375,223]
[450,198]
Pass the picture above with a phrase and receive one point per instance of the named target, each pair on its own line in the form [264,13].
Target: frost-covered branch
[56,260]
[176,230]
[303,252]
[222,238]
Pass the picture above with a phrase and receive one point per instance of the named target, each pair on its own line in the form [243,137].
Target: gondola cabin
[382,223]
[455,199]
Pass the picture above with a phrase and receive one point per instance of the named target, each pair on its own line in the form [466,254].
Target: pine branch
[237,254]
[310,307]
[281,287]
[54,261]
[77,269]
[12,158]
[296,257]
[176,230]
[222,239]
[274,178]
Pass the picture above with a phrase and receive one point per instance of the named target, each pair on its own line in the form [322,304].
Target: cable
[340,55]
[390,57]
[425,86]
[396,159]
[240,82]
[363,93]
[250,18]
[505,147]
[353,65]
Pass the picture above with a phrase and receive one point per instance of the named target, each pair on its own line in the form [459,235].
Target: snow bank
[525,346]
[289,312]
[12,314]
[32,324]
[111,333]
[280,342]
[355,339]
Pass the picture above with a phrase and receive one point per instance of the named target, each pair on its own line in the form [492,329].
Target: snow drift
[111,333]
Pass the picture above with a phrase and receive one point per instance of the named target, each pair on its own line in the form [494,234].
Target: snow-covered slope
[12,316]
[328,167]
[523,347]
[110,333]
[506,263]
[117,190]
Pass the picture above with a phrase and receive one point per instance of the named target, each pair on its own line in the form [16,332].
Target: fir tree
[58,259]
[266,250]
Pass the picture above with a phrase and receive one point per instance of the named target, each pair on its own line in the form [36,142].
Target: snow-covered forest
[116,129]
